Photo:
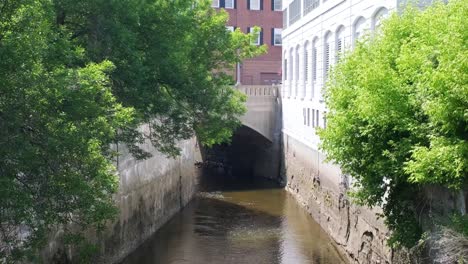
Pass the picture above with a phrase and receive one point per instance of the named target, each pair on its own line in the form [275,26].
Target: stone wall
[321,189]
[151,192]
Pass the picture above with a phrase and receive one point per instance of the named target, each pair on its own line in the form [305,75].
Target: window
[339,41]
[229,4]
[255,4]
[259,40]
[215,3]
[296,66]
[358,29]
[308,116]
[306,63]
[291,71]
[276,5]
[230,28]
[285,18]
[326,57]
[294,11]
[313,118]
[314,61]
[310,5]
[285,73]
[276,37]
[305,69]
[316,118]
[378,17]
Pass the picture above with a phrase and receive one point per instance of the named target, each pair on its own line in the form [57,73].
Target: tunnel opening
[247,159]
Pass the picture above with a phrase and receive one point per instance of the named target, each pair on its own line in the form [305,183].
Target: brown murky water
[236,221]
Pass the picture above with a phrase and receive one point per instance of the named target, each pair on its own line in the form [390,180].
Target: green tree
[57,124]
[79,76]
[398,112]
[169,57]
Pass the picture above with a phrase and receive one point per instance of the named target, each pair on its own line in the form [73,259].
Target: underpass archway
[249,155]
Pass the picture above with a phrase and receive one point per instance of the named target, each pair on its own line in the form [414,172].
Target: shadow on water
[238,220]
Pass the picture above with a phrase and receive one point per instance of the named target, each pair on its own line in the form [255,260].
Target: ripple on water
[241,227]
[212,195]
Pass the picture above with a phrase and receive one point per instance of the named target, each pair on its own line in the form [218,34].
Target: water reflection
[239,223]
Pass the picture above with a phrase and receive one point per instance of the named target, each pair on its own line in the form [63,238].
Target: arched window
[291,70]
[285,73]
[339,42]
[296,70]
[305,68]
[358,29]
[285,67]
[326,55]
[306,61]
[314,66]
[377,18]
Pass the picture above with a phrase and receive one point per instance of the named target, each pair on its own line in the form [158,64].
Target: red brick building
[266,14]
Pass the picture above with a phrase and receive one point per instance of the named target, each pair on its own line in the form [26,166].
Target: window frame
[359,27]
[230,7]
[317,118]
[274,5]
[215,6]
[259,37]
[259,5]
[314,61]
[380,15]
[306,63]
[339,43]
[285,65]
[274,37]
[327,52]
[297,64]
[310,5]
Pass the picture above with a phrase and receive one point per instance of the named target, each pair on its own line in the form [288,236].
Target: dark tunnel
[248,157]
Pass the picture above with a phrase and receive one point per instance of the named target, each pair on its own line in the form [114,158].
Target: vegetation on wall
[398,112]
[77,76]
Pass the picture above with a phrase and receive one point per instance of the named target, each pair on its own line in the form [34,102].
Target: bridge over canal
[263,110]
[255,149]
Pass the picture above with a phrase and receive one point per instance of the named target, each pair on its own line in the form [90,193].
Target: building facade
[266,14]
[315,34]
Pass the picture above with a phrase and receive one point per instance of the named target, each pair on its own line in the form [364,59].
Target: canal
[238,221]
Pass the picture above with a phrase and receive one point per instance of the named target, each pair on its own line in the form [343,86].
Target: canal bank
[150,192]
[321,189]
[239,219]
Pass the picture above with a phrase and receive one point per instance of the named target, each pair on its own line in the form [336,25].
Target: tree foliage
[79,76]
[398,112]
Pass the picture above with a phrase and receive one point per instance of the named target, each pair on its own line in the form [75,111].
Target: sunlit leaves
[398,112]
[76,77]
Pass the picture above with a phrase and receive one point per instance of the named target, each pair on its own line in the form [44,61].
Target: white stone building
[315,33]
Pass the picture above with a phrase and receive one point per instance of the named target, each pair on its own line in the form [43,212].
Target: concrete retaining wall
[320,189]
[151,192]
